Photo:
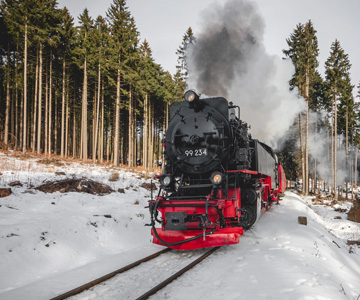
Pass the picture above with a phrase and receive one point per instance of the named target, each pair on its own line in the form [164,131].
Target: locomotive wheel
[248,217]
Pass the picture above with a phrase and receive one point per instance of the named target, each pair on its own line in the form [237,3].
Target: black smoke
[229,59]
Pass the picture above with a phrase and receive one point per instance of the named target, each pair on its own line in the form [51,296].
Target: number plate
[196,152]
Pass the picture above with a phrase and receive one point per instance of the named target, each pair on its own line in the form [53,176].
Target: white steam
[320,150]
[229,60]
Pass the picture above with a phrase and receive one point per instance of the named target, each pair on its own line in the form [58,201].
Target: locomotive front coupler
[153,205]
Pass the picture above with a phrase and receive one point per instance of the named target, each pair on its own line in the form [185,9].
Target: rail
[99,280]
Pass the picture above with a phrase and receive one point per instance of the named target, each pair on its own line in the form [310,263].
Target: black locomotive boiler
[216,180]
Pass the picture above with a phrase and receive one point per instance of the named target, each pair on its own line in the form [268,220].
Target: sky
[163,23]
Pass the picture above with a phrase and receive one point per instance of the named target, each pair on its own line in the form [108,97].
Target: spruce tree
[124,39]
[148,84]
[303,51]
[101,41]
[65,45]
[182,69]
[337,69]
[83,50]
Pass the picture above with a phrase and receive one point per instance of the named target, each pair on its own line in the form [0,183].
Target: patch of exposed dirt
[50,161]
[354,213]
[4,192]
[60,173]
[82,185]
[341,210]
[149,186]
[350,242]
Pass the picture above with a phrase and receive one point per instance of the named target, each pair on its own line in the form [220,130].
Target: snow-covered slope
[50,243]
[277,259]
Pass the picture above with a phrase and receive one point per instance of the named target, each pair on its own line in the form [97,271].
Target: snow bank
[50,243]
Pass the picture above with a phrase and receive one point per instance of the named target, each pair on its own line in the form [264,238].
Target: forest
[91,92]
[331,116]
[95,93]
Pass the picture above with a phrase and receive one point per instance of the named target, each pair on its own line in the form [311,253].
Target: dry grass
[114,176]
[33,162]
[50,161]
[27,163]
[149,186]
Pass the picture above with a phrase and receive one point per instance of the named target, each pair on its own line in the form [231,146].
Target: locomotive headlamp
[166,180]
[190,96]
[216,178]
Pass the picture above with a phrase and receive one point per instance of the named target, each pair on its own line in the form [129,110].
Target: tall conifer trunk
[67,120]
[130,130]
[46,109]
[335,144]
[12,114]
[302,154]
[307,97]
[347,147]
[117,118]
[56,125]
[84,143]
[40,102]
[145,133]
[74,127]
[50,107]
[332,140]
[25,90]
[33,143]
[101,154]
[63,109]
[7,108]
[96,134]
[16,99]
[152,127]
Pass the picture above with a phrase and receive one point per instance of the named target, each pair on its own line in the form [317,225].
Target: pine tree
[101,40]
[86,26]
[182,69]
[66,42]
[124,39]
[337,75]
[303,50]
[148,82]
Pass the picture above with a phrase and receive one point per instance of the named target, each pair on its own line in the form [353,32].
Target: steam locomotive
[216,180]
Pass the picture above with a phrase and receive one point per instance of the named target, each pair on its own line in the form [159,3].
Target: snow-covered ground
[51,243]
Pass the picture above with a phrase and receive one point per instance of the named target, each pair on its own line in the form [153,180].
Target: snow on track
[277,259]
[135,282]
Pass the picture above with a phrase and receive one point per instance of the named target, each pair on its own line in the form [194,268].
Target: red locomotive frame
[230,208]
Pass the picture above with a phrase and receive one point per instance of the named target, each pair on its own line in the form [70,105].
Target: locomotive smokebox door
[175,220]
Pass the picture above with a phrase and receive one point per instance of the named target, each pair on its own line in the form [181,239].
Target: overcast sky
[163,23]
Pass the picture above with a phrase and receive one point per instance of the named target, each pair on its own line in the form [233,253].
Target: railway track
[131,266]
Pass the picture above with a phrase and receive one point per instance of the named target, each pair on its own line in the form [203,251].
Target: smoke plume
[320,150]
[229,60]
